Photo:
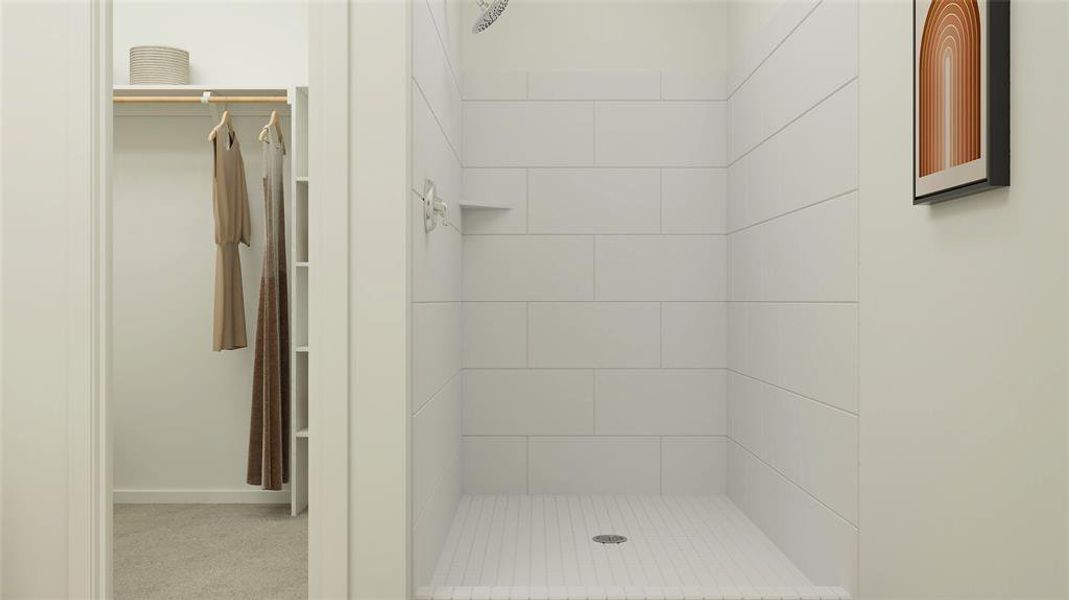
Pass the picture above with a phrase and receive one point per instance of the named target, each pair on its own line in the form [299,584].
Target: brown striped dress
[269,428]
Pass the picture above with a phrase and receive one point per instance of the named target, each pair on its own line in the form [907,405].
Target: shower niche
[642,328]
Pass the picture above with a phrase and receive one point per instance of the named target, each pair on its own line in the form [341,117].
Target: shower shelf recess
[483,205]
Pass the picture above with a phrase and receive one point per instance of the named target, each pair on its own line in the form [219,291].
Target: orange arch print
[948,76]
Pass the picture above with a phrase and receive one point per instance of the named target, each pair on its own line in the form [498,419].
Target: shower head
[490,12]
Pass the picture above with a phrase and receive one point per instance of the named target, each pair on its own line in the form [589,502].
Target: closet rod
[199,100]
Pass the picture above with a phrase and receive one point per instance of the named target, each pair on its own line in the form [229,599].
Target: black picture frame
[997,94]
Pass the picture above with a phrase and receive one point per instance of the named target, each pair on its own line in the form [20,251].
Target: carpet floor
[209,552]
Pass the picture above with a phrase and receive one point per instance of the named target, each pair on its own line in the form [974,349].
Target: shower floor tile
[678,548]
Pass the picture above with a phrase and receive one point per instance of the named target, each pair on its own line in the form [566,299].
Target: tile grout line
[454,76]
[594,132]
[775,48]
[594,400]
[660,459]
[795,393]
[793,211]
[788,479]
[594,269]
[792,121]
[660,200]
[438,122]
[660,337]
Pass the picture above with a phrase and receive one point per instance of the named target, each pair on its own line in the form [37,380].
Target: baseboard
[250,496]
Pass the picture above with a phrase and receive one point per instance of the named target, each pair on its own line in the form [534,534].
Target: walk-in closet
[211,257]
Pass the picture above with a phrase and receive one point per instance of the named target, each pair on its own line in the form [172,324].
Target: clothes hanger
[224,121]
[275,122]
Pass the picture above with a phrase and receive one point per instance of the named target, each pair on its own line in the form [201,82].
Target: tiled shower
[639,318]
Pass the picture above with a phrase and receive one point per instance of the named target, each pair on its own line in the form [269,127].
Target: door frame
[359,442]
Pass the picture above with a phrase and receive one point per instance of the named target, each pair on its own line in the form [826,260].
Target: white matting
[679,547]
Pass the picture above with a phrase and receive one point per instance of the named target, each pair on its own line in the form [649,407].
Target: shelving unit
[299,256]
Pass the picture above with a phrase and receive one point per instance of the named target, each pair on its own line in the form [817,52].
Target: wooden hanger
[272,122]
[224,121]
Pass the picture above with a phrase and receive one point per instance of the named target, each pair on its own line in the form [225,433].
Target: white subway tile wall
[437,332]
[528,134]
[669,303]
[528,402]
[528,267]
[594,201]
[694,335]
[496,464]
[592,335]
[662,134]
[660,267]
[694,200]
[595,338]
[660,402]
[437,315]
[596,464]
[496,187]
[495,335]
[792,315]
[693,465]
[813,61]
[594,85]
[693,86]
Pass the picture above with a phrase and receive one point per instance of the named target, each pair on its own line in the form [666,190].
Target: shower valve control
[434,208]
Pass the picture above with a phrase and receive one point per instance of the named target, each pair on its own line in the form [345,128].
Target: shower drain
[610,538]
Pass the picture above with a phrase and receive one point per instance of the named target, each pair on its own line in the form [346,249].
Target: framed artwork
[961,98]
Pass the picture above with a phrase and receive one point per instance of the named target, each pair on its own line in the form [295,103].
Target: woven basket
[159,65]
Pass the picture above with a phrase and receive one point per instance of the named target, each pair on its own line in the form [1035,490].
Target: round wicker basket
[159,65]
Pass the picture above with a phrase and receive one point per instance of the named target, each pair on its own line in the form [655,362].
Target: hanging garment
[269,428]
[232,227]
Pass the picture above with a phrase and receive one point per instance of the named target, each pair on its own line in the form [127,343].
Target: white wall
[792,321]
[594,305]
[436,375]
[963,337]
[555,35]
[231,43]
[48,187]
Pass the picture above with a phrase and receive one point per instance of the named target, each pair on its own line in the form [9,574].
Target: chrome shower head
[490,12]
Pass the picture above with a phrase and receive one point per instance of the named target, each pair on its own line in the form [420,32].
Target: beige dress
[232,227]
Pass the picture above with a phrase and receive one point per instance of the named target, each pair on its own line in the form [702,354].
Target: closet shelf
[302,264]
[196,90]
[301,348]
[184,100]
[302,179]
[302,433]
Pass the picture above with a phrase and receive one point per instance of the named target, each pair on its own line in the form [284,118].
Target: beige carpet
[209,552]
